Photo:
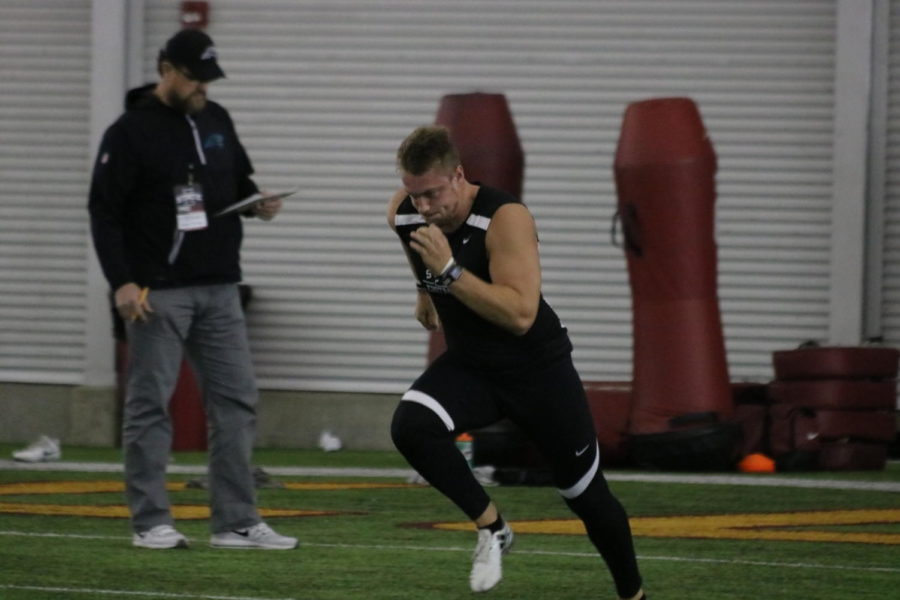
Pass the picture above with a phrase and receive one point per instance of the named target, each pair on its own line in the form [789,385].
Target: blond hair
[427,147]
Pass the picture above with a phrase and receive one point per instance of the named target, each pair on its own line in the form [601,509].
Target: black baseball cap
[195,51]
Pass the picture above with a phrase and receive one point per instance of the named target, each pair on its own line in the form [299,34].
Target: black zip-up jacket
[143,156]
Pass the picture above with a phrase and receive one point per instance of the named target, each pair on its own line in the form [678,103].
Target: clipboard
[253,199]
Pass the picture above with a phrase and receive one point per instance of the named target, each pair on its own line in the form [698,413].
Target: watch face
[455,272]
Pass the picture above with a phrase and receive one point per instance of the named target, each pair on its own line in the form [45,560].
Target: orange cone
[756,463]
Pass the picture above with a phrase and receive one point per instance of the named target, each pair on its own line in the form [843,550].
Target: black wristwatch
[450,274]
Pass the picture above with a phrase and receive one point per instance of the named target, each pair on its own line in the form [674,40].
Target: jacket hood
[141,97]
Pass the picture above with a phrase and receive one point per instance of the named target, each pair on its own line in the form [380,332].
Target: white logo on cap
[209,53]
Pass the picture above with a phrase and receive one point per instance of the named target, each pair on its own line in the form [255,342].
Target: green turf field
[719,542]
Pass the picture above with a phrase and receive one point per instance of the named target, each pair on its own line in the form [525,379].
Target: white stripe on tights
[429,402]
[577,489]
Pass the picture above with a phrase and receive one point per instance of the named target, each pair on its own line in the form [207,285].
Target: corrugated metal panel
[891,263]
[322,94]
[43,166]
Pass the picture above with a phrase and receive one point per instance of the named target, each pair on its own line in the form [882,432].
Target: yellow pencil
[142,298]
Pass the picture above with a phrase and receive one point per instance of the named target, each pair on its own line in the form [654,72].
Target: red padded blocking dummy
[610,404]
[801,428]
[836,362]
[843,394]
[185,407]
[665,178]
[834,407]
[482,128]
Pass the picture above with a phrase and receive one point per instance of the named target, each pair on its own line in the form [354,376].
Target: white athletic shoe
[487,568]
[258,536]
[44,449]
[161,537]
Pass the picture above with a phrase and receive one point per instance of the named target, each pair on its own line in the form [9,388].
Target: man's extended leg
[607,527]
[551,407]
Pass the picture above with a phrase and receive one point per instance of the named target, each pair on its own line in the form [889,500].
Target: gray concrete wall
[83,416]
[29,410]
[295,419]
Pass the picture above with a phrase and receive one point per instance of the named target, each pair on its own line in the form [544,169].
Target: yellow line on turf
[181,512]
[784,526]
[114,486]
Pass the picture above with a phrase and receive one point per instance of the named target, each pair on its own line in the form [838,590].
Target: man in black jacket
[164,170]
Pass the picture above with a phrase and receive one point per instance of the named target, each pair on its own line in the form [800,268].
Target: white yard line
[692,478]
[382,547]
[103,592]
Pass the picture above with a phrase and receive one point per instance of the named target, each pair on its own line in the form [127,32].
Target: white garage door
[44,163]
[322,93]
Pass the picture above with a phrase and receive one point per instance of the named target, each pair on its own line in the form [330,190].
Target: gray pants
[208,322]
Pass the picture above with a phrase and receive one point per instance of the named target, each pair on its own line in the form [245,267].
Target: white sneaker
[258,536]
[160,537]
[487,568]
[44,449]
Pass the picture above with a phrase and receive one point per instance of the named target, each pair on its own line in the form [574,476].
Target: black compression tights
[607,527]
[423,439]
[426,444]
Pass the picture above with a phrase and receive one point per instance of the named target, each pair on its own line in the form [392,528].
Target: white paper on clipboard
[240,204]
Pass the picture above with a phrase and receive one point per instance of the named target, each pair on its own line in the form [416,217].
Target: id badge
[189,207]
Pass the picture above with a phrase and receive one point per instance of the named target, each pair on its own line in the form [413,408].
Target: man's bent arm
[511,299]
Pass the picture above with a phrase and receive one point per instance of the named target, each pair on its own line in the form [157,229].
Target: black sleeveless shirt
[471,338]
